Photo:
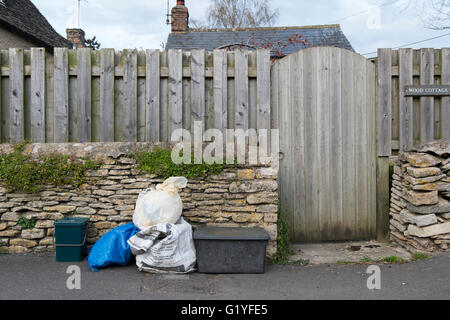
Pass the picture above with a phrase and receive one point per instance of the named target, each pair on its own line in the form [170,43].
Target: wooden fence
[405,121]
[84,95]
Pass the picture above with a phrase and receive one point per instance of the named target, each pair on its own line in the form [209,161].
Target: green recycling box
[70,239]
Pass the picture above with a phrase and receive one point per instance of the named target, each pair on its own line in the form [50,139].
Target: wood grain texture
[61,95]
[406,103]
[263,116]
[153,92]
[16,93]
[427,103]
[384,102]
[175,109]
[220,90]
[107,78]
[84,94]
[198,112]
[241,91]
[445,102]
[130,96]
[38,94]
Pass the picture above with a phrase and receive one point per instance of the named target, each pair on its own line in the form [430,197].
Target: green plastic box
[70,239]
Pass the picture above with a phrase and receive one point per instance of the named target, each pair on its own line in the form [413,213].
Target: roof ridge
[319,26]
[24,17]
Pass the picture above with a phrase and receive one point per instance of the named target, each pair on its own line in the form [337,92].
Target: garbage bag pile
[159,237]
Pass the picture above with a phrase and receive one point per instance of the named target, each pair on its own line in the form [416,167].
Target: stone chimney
[77,37]
[180,17]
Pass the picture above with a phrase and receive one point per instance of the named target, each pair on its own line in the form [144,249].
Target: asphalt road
[40,277]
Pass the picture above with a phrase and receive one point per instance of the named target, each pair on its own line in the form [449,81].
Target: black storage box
[230,250]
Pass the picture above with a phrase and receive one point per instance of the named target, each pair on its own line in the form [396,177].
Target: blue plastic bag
[112,248]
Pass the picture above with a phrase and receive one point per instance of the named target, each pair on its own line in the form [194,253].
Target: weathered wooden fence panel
[107,95]
[326,101]
[408,120]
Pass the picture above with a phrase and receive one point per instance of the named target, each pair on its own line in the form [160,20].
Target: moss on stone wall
[19,172]
[159,162]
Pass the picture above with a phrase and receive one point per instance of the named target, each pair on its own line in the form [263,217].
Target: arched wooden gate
[324,104]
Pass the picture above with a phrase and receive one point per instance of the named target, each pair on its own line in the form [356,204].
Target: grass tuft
[420,256]
[159,162]
[393,259]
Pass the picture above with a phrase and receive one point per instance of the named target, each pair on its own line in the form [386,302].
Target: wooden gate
[324,100]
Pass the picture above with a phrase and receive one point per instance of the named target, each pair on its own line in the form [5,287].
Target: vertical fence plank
[16,78]
[348,148]
[263,91]
[175,108]
[323,125]
[406,103]
[298,143]
[384,102]
[164,99]
[286,198]
[372,150]
[220,89]
[241,94]
[152,89]
[252,92]
[427,103]
[37,111]
[335,165]
[84,94]
[107,78]
[198,87]
[130,96]
[96,117]
[274,76]
[445,102]
[311,105]
[187,95]
[61,95]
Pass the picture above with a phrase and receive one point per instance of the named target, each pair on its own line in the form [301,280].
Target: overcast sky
[368,24]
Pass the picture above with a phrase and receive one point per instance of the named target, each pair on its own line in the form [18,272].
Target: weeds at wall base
[284,241]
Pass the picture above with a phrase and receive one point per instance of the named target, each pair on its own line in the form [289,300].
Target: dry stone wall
[244,196]
[420,206]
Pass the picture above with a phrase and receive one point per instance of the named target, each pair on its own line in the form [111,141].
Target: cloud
[138,23]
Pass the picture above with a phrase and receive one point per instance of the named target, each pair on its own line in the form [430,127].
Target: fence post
[383,199]
[384,136]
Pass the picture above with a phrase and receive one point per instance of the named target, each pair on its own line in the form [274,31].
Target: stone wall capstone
[241,196]
[420,194]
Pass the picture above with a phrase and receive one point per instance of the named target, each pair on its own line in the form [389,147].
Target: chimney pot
[180,17]
[77,37]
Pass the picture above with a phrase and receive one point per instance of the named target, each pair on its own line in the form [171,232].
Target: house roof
[291,39]
[22,16]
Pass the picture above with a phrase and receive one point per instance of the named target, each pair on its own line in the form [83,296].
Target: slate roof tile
[24,17]
[210,39]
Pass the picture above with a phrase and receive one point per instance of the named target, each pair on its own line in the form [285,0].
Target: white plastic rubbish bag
[165,248]
[160,205]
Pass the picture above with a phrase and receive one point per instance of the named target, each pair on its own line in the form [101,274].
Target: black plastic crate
[230,250]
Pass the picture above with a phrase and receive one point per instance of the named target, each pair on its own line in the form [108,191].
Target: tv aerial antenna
[79,12]
[168,15]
